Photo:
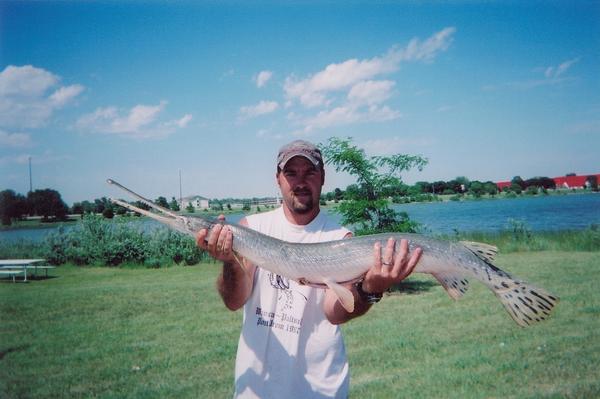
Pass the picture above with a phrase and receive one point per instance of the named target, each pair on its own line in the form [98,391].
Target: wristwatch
[369,298]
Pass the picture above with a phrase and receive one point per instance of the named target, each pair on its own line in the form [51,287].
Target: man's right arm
[235,282]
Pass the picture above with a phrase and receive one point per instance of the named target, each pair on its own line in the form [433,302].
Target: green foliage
[47,203]
[366,205]
[216,205]
[519,237]
[190,208]
[174,205]
[162,201]
[531,190]
[95,241]
[108,213]
[12,206]
[21,248]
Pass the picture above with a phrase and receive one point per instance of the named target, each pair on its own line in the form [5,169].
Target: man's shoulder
[263,216]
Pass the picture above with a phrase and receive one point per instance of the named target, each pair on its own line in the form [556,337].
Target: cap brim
[313,160]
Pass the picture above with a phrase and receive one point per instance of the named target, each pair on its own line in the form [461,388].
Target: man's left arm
[394,265]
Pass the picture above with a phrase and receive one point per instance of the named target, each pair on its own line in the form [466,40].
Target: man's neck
[300,219]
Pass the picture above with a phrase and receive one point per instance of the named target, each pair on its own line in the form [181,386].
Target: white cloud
[141,122]
[371,92]
[184,121]
[553,72]
[65,94]
[262,108]
[14,140]
[25,99]
[349,114]
[262,78]
[427,50]
[312,91]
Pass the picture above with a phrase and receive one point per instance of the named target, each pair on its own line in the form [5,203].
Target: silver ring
[386,264]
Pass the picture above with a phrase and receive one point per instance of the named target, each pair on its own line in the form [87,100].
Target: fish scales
[335,262]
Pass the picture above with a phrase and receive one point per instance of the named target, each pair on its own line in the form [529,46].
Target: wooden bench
[12,273]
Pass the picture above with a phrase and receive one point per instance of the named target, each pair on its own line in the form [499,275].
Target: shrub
[96,241]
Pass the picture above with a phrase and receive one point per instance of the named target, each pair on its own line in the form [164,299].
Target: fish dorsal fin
[485,252]
[344,294]
[454,285]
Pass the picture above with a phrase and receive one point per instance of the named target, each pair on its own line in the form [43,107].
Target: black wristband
[369,298]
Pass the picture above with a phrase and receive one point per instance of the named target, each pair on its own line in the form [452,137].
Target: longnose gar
[334,263]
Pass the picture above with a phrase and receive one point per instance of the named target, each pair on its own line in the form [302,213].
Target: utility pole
[30,180]
[180,195]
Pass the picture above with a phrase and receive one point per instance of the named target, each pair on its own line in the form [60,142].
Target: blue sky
[138,91]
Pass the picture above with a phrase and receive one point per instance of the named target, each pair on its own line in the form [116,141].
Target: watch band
[369,298]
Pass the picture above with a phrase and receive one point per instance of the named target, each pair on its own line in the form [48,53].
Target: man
[291,344]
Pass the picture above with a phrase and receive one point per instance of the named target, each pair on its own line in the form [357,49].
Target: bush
[96,241]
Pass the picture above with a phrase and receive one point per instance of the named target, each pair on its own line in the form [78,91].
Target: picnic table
[15,267]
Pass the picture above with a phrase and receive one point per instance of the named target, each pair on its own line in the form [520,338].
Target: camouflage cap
[299,148]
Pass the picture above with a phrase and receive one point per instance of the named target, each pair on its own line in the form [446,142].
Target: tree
[516,188]
[47,203]
[77,208]
[108,213]
[519,181]
[12,206]
[490,188]
[462,184]
[174,205]
[162,201]
[88,207]
[365,207]
[592,182]
[476,188]
[338,195]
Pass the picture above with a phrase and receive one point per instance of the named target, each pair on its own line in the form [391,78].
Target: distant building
[502,184]
[196,201]
[570,181]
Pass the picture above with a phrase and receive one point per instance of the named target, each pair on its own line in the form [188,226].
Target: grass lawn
[158,333]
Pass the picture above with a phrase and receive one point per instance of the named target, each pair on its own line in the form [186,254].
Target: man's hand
[219,243]
[390,267]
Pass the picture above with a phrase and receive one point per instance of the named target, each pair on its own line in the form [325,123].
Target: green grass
[157,333]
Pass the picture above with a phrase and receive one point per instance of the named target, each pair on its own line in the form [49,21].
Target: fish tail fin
[454,285]
[525,303]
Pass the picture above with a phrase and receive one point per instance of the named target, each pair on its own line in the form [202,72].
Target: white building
[197,202]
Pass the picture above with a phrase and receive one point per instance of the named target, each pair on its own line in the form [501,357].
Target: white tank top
[288,349]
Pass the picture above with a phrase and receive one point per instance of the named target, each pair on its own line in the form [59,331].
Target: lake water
[555,212]
[540,213]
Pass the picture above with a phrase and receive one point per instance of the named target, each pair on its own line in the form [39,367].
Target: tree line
[46,203]
[425,191]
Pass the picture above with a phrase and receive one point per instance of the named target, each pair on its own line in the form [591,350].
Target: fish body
[334,263]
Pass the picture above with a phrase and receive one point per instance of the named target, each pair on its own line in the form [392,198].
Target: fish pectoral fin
[344,294]
[454,285]
[483,251]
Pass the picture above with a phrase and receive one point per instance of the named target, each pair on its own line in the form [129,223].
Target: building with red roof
[570,181]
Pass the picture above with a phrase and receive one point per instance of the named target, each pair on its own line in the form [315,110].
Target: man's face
[300,182]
